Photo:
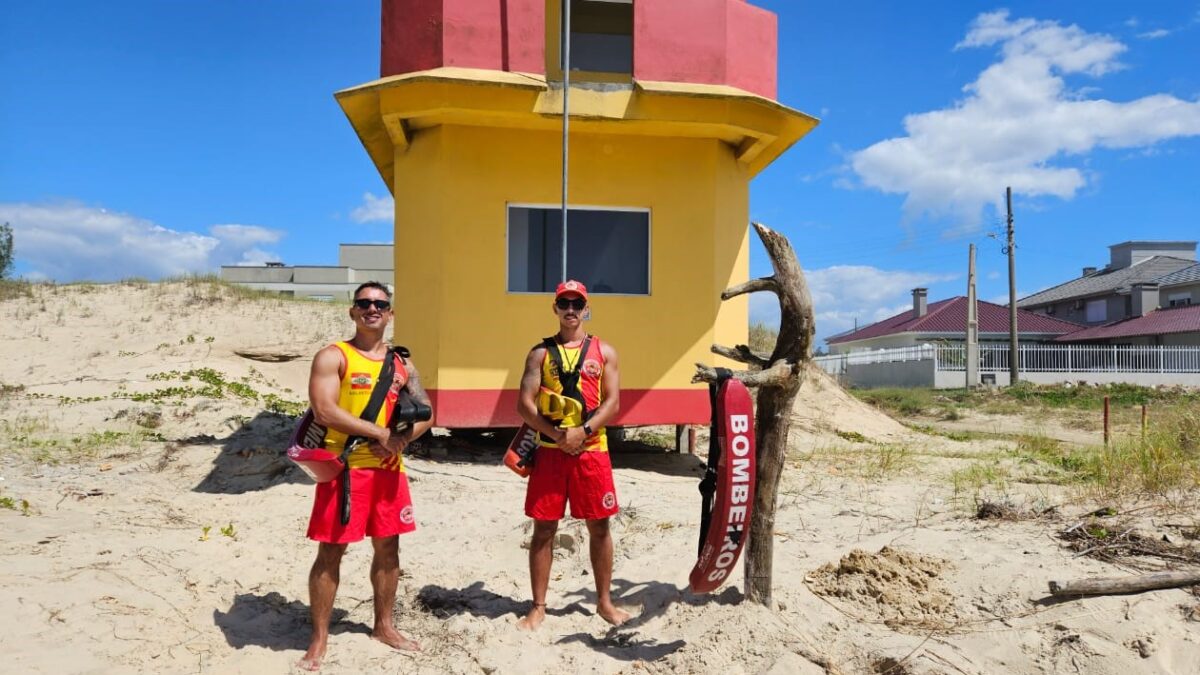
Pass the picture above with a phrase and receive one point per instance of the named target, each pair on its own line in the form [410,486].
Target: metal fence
[1032,358]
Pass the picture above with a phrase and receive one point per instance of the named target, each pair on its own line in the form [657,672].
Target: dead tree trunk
[778,378]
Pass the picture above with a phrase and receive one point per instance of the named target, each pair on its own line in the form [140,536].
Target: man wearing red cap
[574,375]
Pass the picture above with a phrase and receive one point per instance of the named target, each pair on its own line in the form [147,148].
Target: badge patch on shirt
[360,380]
[592,368]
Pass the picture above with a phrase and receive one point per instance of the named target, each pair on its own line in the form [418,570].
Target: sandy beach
[154,526]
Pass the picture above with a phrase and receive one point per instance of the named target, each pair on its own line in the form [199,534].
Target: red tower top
[728,42]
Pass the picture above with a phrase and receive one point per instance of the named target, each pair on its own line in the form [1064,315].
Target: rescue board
[727,489]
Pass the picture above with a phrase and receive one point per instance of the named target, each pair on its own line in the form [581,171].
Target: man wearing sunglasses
[571,463]
[341,382]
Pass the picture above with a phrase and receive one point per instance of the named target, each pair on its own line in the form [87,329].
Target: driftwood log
[778,377]
[1118,585]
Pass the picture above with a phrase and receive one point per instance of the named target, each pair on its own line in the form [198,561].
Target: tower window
[601,38]
[607,249]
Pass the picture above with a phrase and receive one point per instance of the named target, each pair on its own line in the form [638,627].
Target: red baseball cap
[570,286]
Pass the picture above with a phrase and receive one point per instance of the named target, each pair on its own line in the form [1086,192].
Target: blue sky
[160,137]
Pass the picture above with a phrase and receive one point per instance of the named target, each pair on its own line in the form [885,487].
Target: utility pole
[565,42]
[972,324]
[1010,249]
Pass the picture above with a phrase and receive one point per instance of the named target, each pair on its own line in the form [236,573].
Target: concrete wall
[366,256]
[897,374]
[256,275]
[321,274]
[334,292]
[387,276]
[1165,294]
[1126,254]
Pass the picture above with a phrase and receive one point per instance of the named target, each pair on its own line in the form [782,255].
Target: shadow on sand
[251,458]
[477,601]
[274,622]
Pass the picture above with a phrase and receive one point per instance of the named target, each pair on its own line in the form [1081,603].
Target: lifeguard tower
[672,111]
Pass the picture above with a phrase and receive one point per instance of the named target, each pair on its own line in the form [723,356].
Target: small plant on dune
[852,436]
[228,531]
[980,481]
[15,289]
[204,532]
[762,338]
[20,505]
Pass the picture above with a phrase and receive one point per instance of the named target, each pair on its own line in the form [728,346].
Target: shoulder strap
[378,395]
[382,384]
[551,346]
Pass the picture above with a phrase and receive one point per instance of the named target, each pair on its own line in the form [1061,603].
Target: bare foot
[311,659]
[610,613]
[311,662]
[392,638]
[535,617]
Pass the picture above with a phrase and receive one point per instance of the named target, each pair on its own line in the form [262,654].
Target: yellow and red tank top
[591,384]
[359,373]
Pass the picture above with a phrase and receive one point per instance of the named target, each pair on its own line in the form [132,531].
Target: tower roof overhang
[387,113]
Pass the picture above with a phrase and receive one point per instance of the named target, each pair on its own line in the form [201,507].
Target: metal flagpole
[565,42]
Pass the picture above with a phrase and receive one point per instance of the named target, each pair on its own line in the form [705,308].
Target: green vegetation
[907,402]
[20,505]
[214,384]
[762,338]
[13,289]
[852,436]
[1091,397]
[6,250]
[92,445]
[1020,399]
[878,461]
[209,289]
[981,481]
[1166,465]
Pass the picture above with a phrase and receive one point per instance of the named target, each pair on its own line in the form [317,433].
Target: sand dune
[164,533]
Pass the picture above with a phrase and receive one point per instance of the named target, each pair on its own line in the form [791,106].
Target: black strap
[708,484]
[569,379]
[382,384]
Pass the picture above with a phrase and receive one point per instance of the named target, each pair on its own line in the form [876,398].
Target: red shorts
[380,506]
[585,480]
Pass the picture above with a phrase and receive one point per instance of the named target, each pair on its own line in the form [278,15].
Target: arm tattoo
[414,386]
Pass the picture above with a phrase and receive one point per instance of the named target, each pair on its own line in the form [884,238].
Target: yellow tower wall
[469,336]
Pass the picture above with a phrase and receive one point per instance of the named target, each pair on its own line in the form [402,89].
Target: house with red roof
[1177,326]
[1156,273]
[946,321]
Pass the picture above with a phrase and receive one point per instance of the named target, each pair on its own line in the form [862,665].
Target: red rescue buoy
[728,487]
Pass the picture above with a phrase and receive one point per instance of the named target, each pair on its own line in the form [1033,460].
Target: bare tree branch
[779,374]
[778,384]
[752,286]
[742,354]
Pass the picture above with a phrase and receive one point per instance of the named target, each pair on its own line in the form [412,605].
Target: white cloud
[843,294]
[1018,124]
[374,209]
[71,241]
[1154,34]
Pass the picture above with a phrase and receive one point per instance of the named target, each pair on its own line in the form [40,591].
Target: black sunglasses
[364,303]
[576,304]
